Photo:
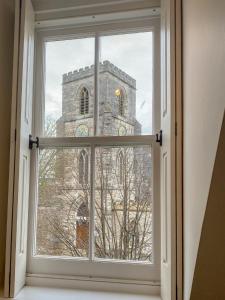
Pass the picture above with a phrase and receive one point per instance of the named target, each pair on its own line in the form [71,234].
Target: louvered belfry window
[84,101]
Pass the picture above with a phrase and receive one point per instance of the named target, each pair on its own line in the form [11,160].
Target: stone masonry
[123,203]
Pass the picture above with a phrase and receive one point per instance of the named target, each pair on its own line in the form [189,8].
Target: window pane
[123,203]
[69,87]
[125,89]
[63,202]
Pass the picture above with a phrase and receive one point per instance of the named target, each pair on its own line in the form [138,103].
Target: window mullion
[92,206]
[96,86]
[92,169]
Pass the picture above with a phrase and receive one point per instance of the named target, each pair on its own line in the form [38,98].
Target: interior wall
[6,60]
[204,103]
[209,275]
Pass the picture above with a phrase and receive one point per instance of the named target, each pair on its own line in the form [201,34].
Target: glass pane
[63,202]
[69,87]
[125,89]
[123,203]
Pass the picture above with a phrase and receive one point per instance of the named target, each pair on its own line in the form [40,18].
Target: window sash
[93,143]
[96,32]
[91,265]
[56,142]
[97,267]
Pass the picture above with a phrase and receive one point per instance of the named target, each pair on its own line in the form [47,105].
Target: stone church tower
[122,174]
[117,102]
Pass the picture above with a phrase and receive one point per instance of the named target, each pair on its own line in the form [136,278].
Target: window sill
[102,284]
[43,293]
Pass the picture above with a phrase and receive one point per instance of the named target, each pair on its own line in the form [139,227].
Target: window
[83,167]
[121,167]
[99,217]
[101,52]
[82,228]
[120,98]
[84,101]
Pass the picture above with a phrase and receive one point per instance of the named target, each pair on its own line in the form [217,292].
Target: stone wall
[122,187]
[111,78]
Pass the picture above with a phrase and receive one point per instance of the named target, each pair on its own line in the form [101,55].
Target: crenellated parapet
[105,66]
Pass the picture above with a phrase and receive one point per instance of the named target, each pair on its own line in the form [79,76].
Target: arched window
[83,167]
[82,227]
[84,101]
[120,96]
[82,211]
[121,166]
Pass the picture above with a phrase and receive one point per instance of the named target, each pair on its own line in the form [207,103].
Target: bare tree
[123,209]
[123,215]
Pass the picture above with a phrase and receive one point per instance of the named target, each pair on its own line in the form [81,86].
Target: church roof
[105,66]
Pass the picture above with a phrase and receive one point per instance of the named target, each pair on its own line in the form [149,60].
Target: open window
[92,176]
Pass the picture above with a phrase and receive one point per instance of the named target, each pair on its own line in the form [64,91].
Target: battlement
[105,66]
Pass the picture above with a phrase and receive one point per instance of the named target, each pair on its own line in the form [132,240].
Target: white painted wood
[34,293]
[96,84]
[168,214]
[41,6]
[12,150]
[18,262]
[53,142]
[94,284]
[59,10]
[92,206]
[111,269]
[131,25]
[46,265]
[99,18]
[22,153]
[179,153]
[155,148]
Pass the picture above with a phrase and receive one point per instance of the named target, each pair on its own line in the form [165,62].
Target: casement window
[91,177]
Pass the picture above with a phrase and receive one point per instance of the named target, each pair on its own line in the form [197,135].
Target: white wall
[204,103]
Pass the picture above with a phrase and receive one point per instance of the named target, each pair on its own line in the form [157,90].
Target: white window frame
[171,123]
[72,266]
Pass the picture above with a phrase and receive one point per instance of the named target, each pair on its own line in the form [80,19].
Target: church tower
[122,187]
[117,102]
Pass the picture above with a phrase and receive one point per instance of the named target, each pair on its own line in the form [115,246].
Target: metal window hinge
[33,141]
[159,138]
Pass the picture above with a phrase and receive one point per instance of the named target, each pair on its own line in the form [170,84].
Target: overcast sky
[130,52]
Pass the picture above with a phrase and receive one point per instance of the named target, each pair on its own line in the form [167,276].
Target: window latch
[159,138]
[33,141]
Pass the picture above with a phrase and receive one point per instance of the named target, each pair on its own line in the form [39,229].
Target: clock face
[118,92]
[82,131]
[122,130]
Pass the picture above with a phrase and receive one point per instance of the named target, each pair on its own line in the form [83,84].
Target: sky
[132,53]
